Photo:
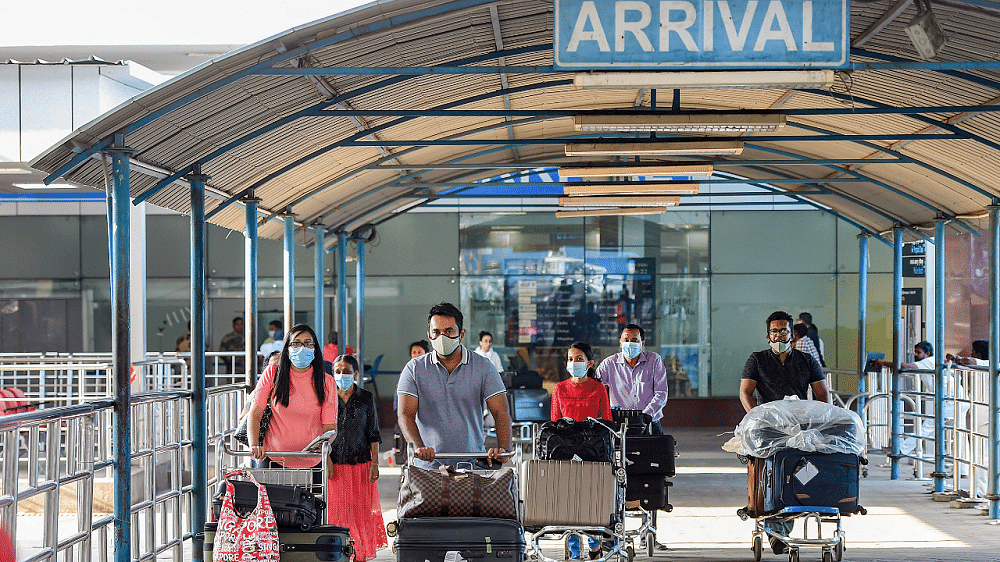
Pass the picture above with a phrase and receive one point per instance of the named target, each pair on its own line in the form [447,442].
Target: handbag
[566,440]
[265,421]
[445,492]
[254,537]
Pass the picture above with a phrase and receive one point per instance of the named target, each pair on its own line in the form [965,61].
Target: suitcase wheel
[390,529]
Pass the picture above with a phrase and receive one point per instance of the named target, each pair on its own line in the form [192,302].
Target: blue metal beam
[713,181]
[360,303]
[939,328]
[251,287]
[319,271]
[862,317]
[288,269]
[896,407]
[538,164]
[465,112]
[974,78]
[623,138]
[342,289]
[199,425]
[993,485]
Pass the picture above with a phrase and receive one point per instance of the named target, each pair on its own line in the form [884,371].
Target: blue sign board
[701,34]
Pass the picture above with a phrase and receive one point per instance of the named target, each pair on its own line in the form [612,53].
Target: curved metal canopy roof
[350,120]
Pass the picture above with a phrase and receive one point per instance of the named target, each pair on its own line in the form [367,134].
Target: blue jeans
[574,545]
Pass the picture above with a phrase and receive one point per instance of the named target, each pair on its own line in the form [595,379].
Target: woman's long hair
[589,352]
[282,378]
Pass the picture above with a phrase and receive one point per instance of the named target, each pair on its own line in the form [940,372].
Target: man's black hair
[926,346]
[422,344]
[800,329]
[446,309]
[805,317]
[483,334]
[779,315]
[275,323]
[642,335]
[981,348]
[237,319]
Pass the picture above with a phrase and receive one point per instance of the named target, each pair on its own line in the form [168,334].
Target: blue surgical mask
[301,357]
[274,334]
[344,381]
[631,349]
[577,369]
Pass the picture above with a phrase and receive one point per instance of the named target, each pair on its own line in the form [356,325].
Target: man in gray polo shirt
[441,395]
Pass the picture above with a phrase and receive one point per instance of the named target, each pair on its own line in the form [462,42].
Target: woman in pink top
[303,401]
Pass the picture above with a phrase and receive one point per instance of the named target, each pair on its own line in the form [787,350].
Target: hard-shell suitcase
[649,454]
[477,539]
[529,404]
[650,490]
[293,506]
[797,478]
[567,493]
[323,542]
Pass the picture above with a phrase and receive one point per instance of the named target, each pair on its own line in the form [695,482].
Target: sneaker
[779,547]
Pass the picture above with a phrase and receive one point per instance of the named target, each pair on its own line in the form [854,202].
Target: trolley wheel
[650,543]
[793,555]
[620,474]
[838,549]
[758,548]
[629,553]
[827,555]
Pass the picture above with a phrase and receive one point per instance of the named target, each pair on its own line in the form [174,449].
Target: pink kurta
[294,426]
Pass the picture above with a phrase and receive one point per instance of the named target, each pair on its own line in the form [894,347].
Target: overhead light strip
[645,201]
[612,212]
[656,148]
[767,79]
[584,189]
[680,123]
[700,170]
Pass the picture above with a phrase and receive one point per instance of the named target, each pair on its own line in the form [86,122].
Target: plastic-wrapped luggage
[566,439]
[804,425]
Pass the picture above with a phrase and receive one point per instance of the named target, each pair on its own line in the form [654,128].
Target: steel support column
[360,307]
[993,486]
[121,360]
[319,319]
[199,426]
[251,287]
[897,347]
[862,316]
[342,289]
[939,448]
[289,272]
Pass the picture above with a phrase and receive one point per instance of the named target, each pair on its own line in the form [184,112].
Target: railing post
[251,288]
[289,271]
[199,429]
[993,486]
[120,274]
[862,317]
[319,269]
[897,346]
[939,375]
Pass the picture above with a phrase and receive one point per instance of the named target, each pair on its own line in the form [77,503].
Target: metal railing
[56,491]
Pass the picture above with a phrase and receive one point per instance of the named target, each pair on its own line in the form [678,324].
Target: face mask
[576,369]
[301,357]
[274,334]
[631,349]
[444,346]
[780,346]
[344,381]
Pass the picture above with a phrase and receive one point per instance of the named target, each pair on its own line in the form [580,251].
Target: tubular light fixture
[656,148]
[700,170]
[584,189]
[611,212]
[645,201]
[680,123]
[765,79]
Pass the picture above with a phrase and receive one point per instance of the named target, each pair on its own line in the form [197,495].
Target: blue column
[897,346]
[360,300]
[199,424]
[251,286]
[121,362]
[289,272]
[319,321]
[862,315]
[342,288]
[993,486]
[939,451]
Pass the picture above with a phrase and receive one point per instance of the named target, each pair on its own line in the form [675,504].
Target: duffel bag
[566,440]
[445,492]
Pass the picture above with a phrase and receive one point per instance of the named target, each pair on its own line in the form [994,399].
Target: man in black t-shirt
[775,373]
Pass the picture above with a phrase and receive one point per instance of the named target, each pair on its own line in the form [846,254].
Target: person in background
[486,350]
[980,355]
[580,397]
[802,342]
[636,379]
[813,333]
[302,398]
[353,468]
[419,348]
[332,348]
[234,341]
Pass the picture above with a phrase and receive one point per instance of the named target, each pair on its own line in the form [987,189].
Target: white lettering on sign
[632,17]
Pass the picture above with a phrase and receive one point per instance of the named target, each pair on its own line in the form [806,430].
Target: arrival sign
[700,34]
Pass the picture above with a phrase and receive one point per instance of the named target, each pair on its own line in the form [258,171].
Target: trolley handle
[239,453]
[410,456]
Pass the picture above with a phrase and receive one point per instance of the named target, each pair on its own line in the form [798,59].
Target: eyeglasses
[298,344]
[782,332]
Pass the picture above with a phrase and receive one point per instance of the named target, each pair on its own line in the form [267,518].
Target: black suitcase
[565,440]
[797,478]
[636,422]
[293,506]
[649,454]
[478,539]
[649,490]
[526,379]
[529,404]
[323,542]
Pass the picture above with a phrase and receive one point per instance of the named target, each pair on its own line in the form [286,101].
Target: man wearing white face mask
[441,395]
[780,370]
[636,379]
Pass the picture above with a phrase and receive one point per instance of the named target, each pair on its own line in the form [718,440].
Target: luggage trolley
[563,493]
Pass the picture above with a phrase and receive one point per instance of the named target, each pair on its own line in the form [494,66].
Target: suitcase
[635,421]
[477,539]
[526,379]
[649,490]
[323,542]
[755,487]
[649,454]
[293,506]
[529,404]
[566,439]
[567,493]
[796,478]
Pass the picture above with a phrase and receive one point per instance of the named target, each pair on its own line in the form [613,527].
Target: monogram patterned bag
[445,492]
[253,537]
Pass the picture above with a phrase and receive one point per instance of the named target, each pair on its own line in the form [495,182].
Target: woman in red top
[581,396]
